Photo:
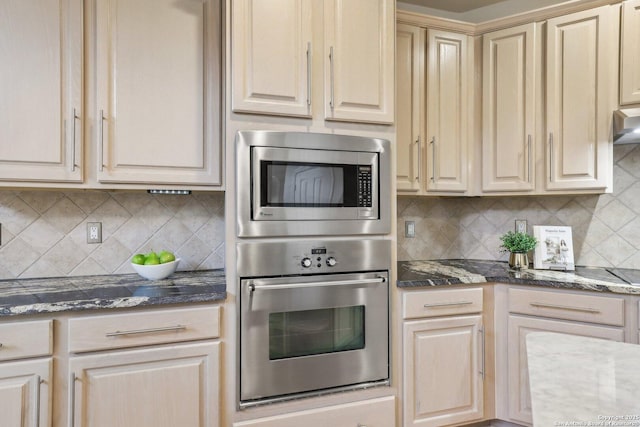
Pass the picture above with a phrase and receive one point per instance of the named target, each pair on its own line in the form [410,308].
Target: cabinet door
[581,77]
[25,399]
[158,91]
[409,100]
[629,53]
[271,55]
[508,110]
[40,87]
[359,45]
[518,371]
[442,371]
[447,100]
[152,387]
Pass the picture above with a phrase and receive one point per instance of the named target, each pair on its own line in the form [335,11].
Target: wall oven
[313,317]
[294,183]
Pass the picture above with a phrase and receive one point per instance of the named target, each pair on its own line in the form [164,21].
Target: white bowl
[157,271]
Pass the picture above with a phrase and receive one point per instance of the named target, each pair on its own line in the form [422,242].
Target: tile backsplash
[606,228]
[44,233]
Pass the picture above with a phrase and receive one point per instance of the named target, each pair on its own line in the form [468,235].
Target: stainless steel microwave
[299,184]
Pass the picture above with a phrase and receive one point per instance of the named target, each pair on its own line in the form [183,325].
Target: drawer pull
[146,331]
[564,307]
[447,304]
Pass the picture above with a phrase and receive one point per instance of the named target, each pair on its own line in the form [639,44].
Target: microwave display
[301,184]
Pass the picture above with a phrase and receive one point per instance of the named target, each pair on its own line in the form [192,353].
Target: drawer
[26,339]
[563,305]
[378,412]
[441,302]
[144,328]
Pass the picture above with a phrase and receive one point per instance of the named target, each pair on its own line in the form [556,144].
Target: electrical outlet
[94,232]
[409,229]
[521,225]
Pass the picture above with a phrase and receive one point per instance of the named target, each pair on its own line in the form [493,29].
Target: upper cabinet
[447,104]
[158,92]
[433,121]
[272,52]
[508,109]
[41,86]
[581,83]
[359,41]
[629,53]
[275,49]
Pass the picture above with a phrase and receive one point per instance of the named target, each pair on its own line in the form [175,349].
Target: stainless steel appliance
[295,183]
[313,318]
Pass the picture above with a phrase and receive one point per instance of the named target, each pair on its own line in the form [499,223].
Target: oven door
[312,333]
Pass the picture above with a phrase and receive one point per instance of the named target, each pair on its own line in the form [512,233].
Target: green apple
[151,259]
[166,256]
[138,259]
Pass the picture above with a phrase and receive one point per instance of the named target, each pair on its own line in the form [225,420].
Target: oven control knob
[331,261]
[306,262]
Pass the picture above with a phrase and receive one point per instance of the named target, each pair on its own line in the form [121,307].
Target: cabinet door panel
[359,47]
[159,387]
[447,99]
[40,83]
[271,53]
[580,54]
[442,380]
[158,91]
[508,109]
[629,54]
[409,72]
[25,393]
[518,371]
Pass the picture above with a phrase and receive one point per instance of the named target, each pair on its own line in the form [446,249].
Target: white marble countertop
[580,381]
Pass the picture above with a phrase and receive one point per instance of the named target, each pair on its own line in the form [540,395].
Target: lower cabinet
[25,393]
[155,387]
[443,362]
[378,412]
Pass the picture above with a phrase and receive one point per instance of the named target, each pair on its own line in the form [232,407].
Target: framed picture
[555,248]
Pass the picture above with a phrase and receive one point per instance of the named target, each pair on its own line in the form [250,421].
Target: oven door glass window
[311,332]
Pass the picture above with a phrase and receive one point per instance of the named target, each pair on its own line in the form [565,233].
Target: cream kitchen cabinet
[409,88]
[443,362]
[509,63]
[433,126]
[581,83]
[274,52]
[42,86]
[377,412]
[157,77]
[629,54]
[553,311]
[25,373]
[156,368]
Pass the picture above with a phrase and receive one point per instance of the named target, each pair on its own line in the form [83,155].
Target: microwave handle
[256,285]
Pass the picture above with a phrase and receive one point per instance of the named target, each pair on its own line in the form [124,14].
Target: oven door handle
[256,285]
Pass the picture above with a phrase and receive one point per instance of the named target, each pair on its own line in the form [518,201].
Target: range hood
[626,126]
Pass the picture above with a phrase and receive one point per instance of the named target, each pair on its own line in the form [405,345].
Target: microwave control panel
[364,186]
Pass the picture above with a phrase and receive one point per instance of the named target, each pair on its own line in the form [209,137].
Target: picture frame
[554,250]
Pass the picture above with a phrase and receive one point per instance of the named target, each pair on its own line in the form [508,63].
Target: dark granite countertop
[413,274]
[59,294]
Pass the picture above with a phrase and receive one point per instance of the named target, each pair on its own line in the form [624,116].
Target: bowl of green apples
[155,265]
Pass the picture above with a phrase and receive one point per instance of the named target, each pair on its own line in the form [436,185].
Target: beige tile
[88,200]
[41,236]
[16,215]
[40,201]
[17,256]
[64,215]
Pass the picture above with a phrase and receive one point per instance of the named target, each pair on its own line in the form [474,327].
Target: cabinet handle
[331,76]
[565,307]
[72,398]
[433,158]
[447,304]
[37,405]
[309,73]
[550,156]
[482,343]
[529,158]
[417,142]
[145,331]
[101,148]
[73,142]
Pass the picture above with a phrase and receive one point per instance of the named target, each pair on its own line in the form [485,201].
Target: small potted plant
[518,245]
